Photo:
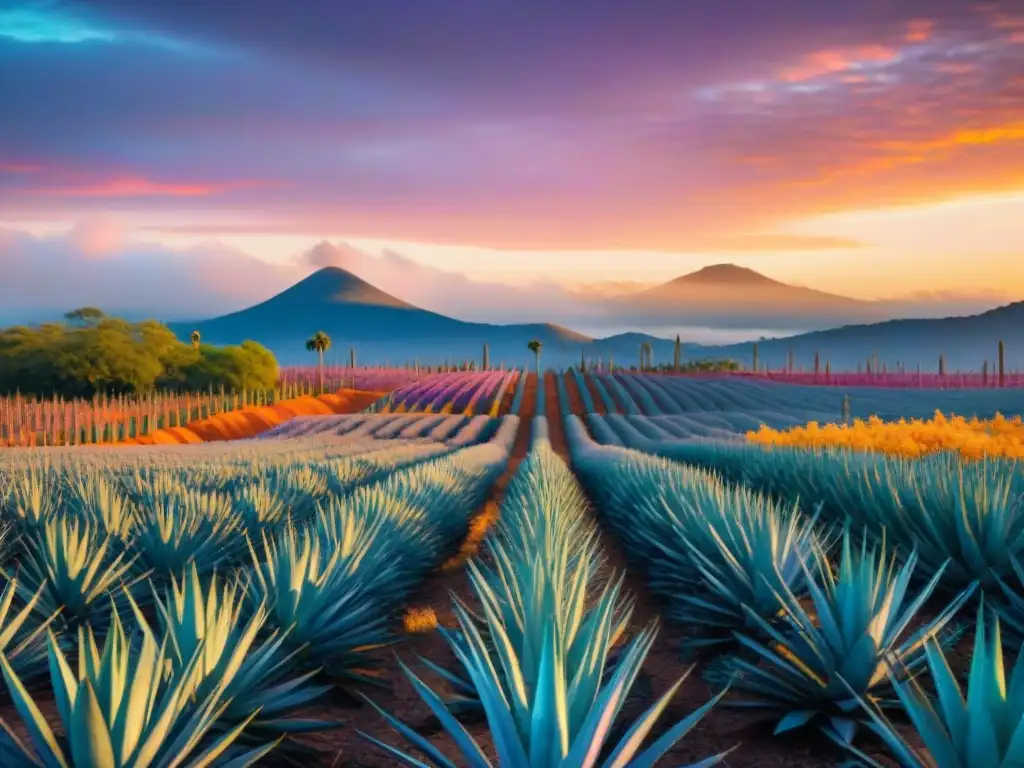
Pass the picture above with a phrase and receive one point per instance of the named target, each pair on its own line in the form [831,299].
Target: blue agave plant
[984,729]
[563,721]
[850,643]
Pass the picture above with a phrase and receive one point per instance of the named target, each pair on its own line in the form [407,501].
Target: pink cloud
[919,30]
[828,62]
[137,186]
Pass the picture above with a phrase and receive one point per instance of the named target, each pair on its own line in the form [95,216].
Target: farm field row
[238,581]
[332,525]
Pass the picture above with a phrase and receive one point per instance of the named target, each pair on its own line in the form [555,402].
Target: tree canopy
[93,353]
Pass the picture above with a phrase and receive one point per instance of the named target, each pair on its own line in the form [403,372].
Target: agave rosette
[121,707]
[181,529]
[985,729]
[97,498]
[365,544]
[32,497]
[565,720]
[851,642]
[260,508]
[210,623]
[76,571]
[332,618]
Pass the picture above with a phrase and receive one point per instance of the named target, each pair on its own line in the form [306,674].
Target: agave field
[655,583]
[454,392]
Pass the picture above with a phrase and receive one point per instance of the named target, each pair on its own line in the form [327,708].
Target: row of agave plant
[188,616]
[968,516]
[808,634]
[545,658]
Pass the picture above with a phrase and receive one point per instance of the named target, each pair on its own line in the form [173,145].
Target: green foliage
[94,354]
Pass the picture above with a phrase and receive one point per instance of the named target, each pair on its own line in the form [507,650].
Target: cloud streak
[382,121]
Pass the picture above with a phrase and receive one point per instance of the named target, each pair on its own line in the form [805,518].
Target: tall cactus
[984,374]
[791,362]
[351,357]
[487,358]
[942,365]
[677,356]
[756,361]
[583,361]
[817,364]
[611,363]
[828,367]
[1002,364]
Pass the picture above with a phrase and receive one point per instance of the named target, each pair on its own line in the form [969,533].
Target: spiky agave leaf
[747,550]
[331,616]
[23,635]
[985,729]
[855,638]
[181,529]
[209,622]
[74,570]
[536,727]
[259,507]
[522,595]
[32,496]
[1011,607]
[98,499]
[544,560]
[384,539]
[121,708]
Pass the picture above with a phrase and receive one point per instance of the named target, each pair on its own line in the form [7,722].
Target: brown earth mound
[249,422]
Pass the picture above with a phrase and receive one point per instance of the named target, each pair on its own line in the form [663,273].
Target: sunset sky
[863,147]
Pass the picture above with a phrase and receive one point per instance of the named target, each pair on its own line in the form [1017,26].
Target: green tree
[84,316]
[114,356]
[319,342]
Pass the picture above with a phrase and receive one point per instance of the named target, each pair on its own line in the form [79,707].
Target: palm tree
[195,339]
[319,342]
[534,346]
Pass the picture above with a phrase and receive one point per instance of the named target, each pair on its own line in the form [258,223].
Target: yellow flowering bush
[972,438]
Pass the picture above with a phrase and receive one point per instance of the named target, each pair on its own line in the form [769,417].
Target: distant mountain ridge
[382,327]
[727,295]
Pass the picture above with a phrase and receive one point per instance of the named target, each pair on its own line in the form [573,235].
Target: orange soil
[249,422]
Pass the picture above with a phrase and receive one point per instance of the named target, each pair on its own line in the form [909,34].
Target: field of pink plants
[305,378]
[901,380]
[460,392]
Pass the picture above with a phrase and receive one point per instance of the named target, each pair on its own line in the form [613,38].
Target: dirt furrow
[344,747]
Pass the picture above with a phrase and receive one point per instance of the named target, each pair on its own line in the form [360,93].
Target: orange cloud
[136,186]
[829,62]
[919,30]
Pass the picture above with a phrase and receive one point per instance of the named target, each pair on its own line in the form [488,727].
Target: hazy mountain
[354,313]
[725,295]
[382,327]
[966,342]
